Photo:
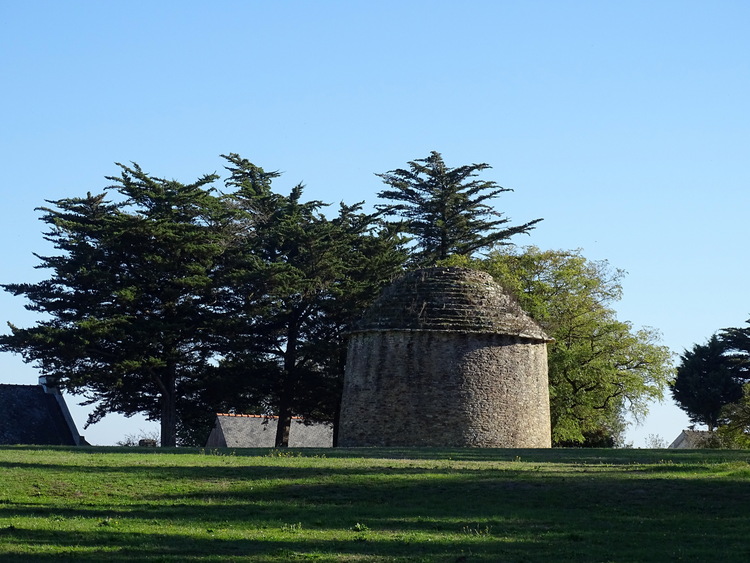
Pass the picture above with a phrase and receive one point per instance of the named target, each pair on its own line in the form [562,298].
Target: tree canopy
[446,210]
[706,382]
[297,281]
[127,305]
[178,302]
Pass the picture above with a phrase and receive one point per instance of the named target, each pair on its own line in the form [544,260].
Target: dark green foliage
[598,438]
[179,303]
[294,280]
[445,209]
[127,308]
[706,381]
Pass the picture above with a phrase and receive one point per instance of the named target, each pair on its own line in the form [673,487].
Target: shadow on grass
[484,515]
[503,524]
[592,510]
[690,464]
[161,547]
[540,455]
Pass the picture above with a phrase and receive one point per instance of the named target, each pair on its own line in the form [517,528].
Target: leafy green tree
[599,367]
[128,307]
[296,280]
[735,430]
[446,209]
[706,381]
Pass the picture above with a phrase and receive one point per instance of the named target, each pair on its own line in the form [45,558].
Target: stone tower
[445,357]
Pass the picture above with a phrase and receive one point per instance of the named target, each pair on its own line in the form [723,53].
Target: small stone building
[446,357]
[258,431]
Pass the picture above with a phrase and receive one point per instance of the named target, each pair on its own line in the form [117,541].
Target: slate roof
[691,439]
[257,431]
[29,415]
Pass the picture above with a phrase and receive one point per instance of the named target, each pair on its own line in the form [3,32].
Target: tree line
[712,385]
[179,301]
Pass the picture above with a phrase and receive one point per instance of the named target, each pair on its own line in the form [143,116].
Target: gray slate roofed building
[691,440]
[35,415]
[257,431]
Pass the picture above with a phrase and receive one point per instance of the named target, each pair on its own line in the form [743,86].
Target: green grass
[119,504]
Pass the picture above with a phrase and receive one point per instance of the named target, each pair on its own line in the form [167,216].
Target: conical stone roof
[451,300]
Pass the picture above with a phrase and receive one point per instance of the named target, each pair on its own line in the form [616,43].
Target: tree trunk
[169,409]
[286,392]
[284,425]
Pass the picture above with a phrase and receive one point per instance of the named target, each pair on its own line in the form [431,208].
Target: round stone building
[445,357]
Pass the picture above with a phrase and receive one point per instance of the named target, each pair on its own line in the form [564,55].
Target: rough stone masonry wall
[428,388]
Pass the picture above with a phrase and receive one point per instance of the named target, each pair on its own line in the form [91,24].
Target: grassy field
[119,504]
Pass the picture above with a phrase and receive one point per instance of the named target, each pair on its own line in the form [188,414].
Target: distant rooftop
[691,439]
[31,415]
[259,431]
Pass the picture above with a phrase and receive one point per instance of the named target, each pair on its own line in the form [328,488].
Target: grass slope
[122,505]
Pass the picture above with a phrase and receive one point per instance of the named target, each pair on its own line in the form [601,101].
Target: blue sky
[623,124]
